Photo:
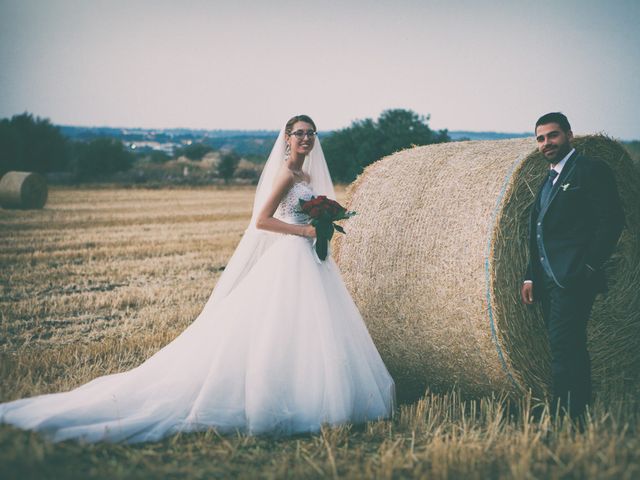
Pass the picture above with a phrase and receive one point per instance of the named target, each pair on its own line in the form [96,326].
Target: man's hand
[526,292]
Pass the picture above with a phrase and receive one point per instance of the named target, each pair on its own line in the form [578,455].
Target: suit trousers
[566,313]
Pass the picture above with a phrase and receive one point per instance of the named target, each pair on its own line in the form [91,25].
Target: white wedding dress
[284,351]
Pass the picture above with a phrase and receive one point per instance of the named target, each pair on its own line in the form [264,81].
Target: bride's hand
[309,231]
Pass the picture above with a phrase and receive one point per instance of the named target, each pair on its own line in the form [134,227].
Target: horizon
[265,130]
[120,127]
[496,132]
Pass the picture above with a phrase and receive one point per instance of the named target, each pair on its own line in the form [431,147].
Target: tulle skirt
[285,352]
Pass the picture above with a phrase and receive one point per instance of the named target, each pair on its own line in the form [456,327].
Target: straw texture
[435,257]
[25,190]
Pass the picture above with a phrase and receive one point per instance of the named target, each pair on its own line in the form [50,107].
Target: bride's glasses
[300,134]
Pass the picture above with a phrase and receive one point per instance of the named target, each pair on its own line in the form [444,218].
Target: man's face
[553,142]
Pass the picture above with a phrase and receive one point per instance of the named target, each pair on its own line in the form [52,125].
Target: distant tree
[248,170]
[32,144]
[158,156]
[102,156]
[350,150]
[195,151]
[227,165]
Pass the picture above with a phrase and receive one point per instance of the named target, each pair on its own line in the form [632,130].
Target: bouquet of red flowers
[323,212]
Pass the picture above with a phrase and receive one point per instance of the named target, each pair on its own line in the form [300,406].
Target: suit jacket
[579,226]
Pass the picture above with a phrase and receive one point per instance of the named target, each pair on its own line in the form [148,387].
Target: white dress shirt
[560,165]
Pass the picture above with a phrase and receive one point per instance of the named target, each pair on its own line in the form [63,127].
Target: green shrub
[100,157]
[227,165]
[195,151]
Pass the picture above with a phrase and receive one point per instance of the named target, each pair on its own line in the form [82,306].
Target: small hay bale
[25,190]
[435,257]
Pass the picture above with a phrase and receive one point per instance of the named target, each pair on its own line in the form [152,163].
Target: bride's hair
[298,118]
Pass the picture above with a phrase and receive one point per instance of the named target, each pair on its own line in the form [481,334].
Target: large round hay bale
[23,190]
[435,258]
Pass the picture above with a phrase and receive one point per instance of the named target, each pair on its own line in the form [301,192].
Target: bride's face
[302,138]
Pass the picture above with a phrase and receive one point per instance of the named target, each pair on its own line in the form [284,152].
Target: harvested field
[100,279]
[94,263]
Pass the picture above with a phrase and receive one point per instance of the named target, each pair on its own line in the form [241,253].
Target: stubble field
[101,279]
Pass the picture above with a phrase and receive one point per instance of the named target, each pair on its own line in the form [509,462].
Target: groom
[575,223]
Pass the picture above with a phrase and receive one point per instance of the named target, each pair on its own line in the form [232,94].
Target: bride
[279,347]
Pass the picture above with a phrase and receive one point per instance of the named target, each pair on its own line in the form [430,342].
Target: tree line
[31,143]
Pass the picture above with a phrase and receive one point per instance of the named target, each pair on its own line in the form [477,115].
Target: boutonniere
[565,186]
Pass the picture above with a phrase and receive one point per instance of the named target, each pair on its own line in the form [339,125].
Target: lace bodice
[288,210]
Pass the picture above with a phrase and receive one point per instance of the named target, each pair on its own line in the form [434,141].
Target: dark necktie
[546,189]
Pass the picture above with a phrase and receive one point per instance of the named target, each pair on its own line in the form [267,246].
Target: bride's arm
[265,220]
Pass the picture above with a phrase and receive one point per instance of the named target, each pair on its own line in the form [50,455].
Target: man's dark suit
[571,237]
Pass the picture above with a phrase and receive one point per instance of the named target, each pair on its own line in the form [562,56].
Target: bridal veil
[255,242]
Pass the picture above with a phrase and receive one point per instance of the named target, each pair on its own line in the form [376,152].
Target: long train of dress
[286,351]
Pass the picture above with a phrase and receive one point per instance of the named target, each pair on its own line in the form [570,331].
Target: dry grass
[101,279]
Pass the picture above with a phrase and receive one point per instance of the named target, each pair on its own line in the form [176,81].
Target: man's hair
[554,117]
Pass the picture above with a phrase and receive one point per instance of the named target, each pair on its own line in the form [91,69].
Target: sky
[479,65]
